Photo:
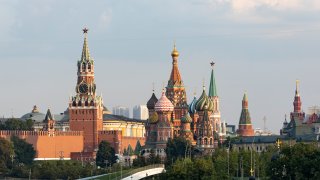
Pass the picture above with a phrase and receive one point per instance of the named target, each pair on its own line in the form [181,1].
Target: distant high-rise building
[140,112]
[121,111]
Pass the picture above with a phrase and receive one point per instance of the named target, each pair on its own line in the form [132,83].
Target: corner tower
[86,108]
[175,90]
[245,126]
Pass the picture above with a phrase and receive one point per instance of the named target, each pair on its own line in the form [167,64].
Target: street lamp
[12,156]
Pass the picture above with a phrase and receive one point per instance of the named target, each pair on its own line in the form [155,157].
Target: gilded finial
[278,143]
[153,87]
[203,86]
[175,52]
[195,92]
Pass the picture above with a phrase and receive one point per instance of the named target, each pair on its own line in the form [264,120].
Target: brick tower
[86,108]
[175,90]
[297,116]
[245,126]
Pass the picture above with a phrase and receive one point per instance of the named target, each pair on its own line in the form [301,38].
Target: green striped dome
[186,118]
[203,101]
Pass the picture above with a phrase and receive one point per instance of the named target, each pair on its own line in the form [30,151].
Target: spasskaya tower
[86,108]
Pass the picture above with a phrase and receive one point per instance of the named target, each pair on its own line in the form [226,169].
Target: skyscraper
[140,112]
[121,111]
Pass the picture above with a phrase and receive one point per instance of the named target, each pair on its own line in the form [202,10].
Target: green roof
[212,87]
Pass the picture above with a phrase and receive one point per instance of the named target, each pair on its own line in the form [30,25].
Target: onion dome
[164,104]
[152,101]
[153,118]
[203,101]
[186,118]
[174,52]
[192,106]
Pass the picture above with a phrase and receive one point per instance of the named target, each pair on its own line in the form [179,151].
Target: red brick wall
[119,142]
[50,146]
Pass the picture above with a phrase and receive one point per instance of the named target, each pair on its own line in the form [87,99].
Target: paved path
[143,174]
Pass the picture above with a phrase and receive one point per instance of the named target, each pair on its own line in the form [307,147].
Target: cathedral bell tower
[175,90]
[86,108]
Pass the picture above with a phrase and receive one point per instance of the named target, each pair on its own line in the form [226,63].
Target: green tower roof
[212,87]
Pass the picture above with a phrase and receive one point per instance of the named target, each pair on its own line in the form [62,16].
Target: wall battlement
[110,132]
[39,133]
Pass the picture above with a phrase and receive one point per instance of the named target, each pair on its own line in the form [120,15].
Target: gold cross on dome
[278,143]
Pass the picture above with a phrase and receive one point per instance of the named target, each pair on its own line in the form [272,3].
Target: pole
[29,174]
[229,160]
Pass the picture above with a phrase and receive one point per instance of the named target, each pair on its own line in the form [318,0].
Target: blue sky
[259,46]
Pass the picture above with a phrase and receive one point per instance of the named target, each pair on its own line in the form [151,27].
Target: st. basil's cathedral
[171,116]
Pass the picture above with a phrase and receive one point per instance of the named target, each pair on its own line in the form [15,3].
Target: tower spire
[212,87]
[85,50]
[297,99]
[297,87]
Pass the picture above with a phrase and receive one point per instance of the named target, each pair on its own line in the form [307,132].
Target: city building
[301,124]
[140,112]
[121,111]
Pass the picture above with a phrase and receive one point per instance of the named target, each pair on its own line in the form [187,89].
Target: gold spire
[175,52]
[85,50]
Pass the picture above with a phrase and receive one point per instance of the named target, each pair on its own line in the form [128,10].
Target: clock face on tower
[83,88]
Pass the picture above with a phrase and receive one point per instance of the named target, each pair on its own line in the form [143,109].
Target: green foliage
[153,158]
[139,162]
[60,170]
[6,150]
[24,152]
[178,147]
[298,162]
[200,168]
[138,148]
[16,124]
[130,150]
[105,155]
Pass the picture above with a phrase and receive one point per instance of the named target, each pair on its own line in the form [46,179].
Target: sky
[259,46]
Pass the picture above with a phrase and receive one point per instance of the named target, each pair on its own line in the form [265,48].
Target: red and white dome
[164,104]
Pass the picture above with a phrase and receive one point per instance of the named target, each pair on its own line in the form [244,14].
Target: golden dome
[175,52]
[153,118]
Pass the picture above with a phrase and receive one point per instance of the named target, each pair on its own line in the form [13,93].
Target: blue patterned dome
[192,106]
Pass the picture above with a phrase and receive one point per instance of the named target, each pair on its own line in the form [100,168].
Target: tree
[17,124]
[200,168]
[6,152]
[138,148]
[153,158]
[298,162]
[29,124]
[177,148]
[105,153]
[24,152]
[130,150]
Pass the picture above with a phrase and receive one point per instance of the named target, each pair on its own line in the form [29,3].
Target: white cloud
[105,19]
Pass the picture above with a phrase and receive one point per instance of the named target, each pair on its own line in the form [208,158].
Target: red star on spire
[85,30]
[212,63]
